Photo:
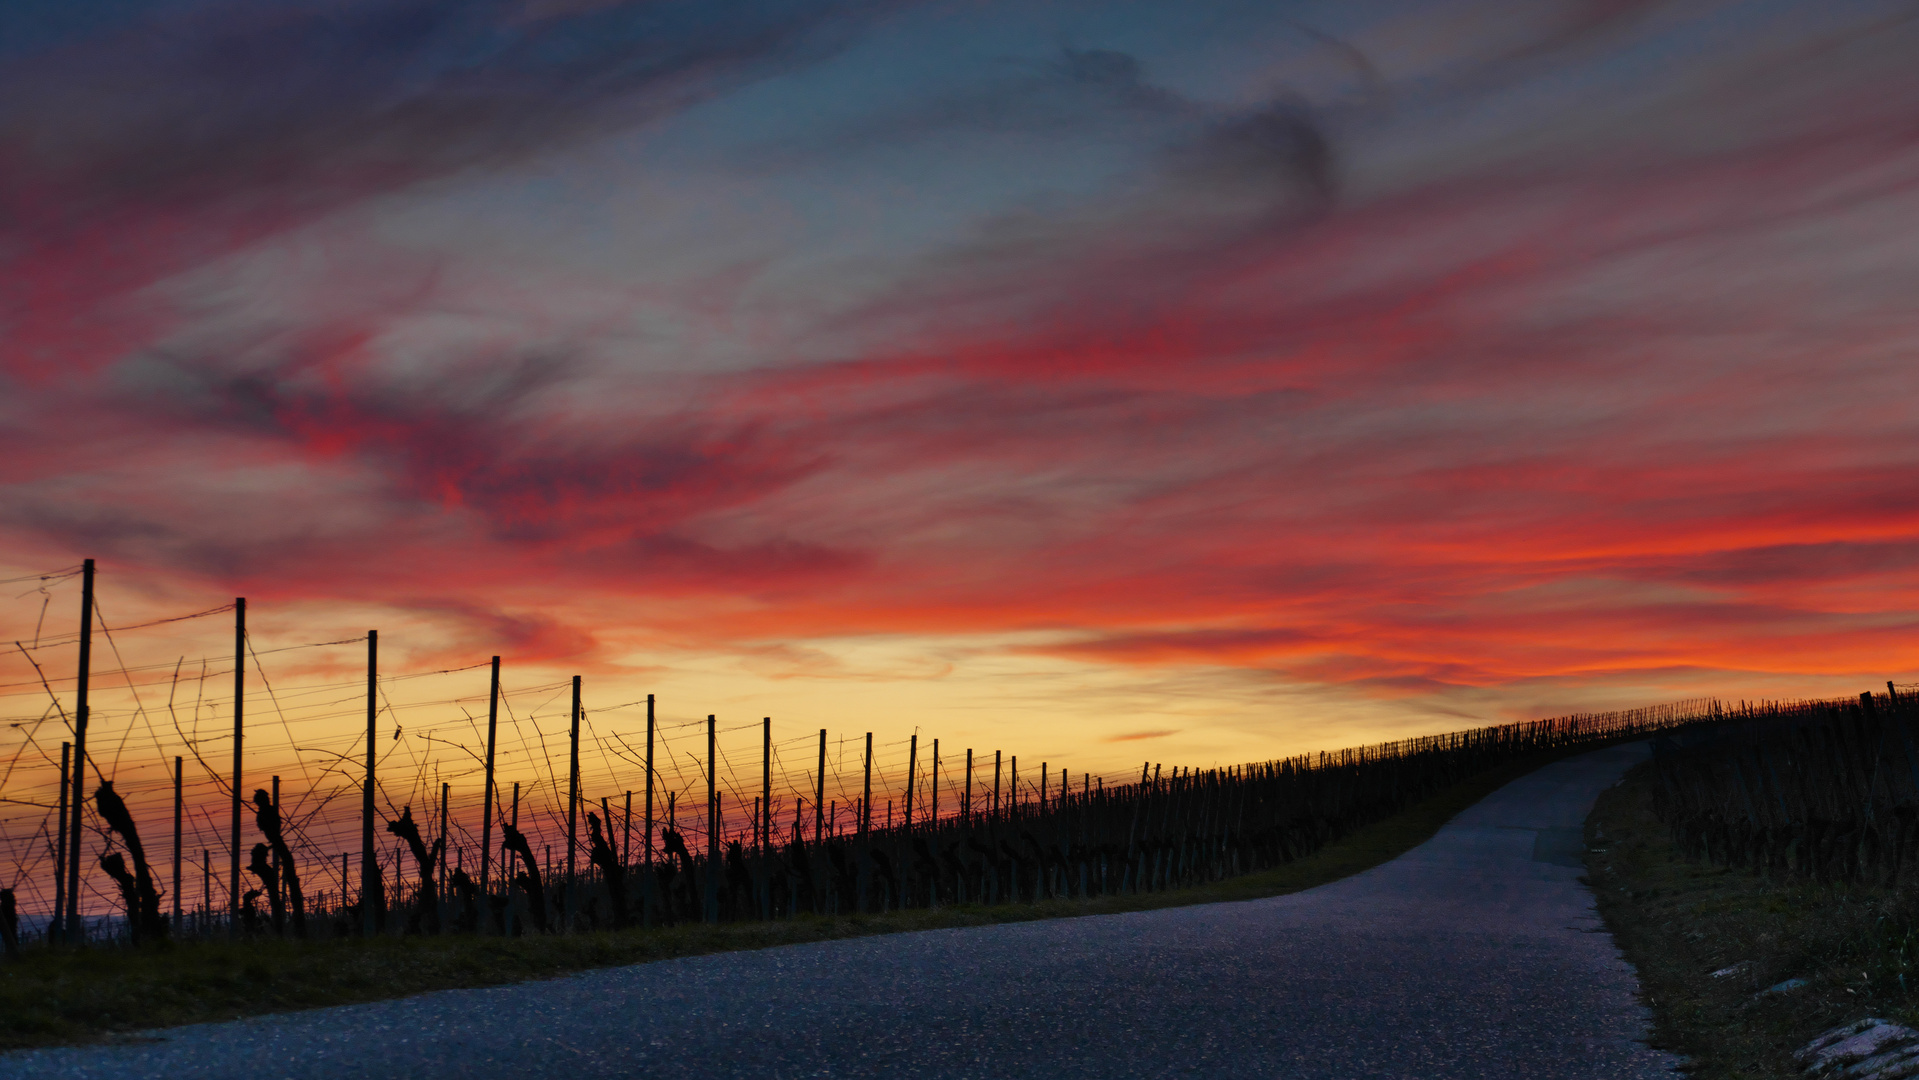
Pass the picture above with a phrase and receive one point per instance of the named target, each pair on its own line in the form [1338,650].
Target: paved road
[1476,955]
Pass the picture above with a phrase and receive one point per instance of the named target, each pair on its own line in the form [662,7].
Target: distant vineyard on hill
[1811,790]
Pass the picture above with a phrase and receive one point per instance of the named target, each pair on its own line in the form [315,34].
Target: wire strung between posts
[74,639]
[318,827]
[50,575]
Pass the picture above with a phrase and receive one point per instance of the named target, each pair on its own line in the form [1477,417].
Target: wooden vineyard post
[486,796]
[239,739]
[933,823]
[966,826]
[1092,867]
[1059,829]
[506,863]
[766,783]
[912,774]
[866,792]
[54,933]
[712,905]
[76,931]
[866,822]
[178,833]
[819,794]
[626,838]
[1040,887]
[370,892]
[966,800]
[572,809]
[996,754]
[646,838]
[763,873]
[1012,813]
[439,891]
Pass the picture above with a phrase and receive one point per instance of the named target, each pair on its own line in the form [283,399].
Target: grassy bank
[1680,922]
[53,998]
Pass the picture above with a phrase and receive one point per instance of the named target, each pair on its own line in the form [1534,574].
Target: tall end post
[369,856]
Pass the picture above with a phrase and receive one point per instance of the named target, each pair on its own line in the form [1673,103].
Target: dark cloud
[132,154]
[529,637]
[1793,565]
[336,99]
[1282,144]
[1586,24]
[1079,94]
[1137,736]
[772,565]
[231,540]
[1235,645]
[1281,148]
[1122,77]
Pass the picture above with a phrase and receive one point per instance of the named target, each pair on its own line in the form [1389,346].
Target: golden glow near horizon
[165,690]
[1233,382]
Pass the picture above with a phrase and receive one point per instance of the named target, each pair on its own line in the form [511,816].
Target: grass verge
[54,998]
[1680,922]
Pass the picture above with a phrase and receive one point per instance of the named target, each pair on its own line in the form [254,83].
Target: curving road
[1476,955]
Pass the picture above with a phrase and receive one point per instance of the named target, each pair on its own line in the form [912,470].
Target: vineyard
[214,797]
[1821,791]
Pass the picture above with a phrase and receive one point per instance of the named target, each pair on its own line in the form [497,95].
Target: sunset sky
[1199,382]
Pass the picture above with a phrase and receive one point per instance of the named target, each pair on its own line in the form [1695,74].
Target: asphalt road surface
[1476,955]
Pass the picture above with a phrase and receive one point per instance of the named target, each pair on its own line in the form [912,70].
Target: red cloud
[1506,426]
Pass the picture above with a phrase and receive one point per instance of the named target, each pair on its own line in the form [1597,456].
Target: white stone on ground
[1869,1049]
